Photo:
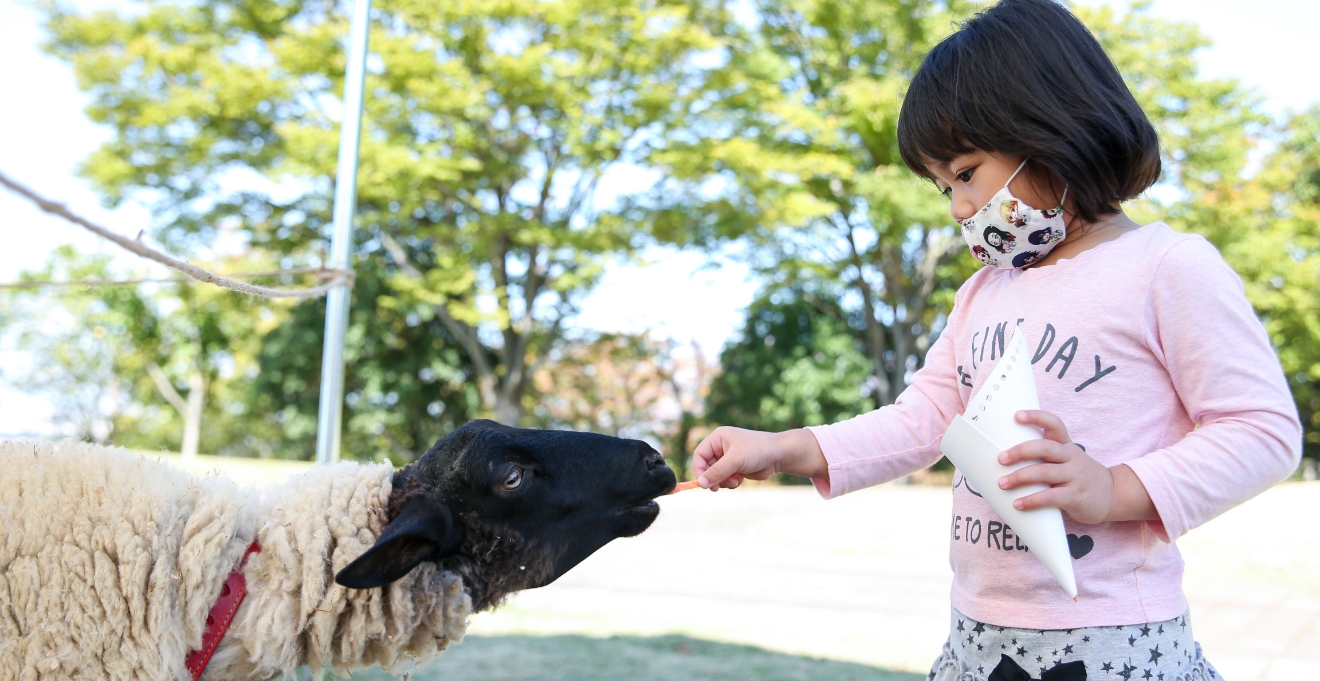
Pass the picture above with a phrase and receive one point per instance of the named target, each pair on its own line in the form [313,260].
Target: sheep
[110,561]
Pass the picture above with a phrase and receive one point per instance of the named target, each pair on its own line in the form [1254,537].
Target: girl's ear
[423,531]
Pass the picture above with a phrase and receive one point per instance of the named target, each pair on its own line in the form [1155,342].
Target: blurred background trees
[512,150]
[809,176]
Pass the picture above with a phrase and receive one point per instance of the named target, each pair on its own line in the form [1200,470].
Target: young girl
[1163,403]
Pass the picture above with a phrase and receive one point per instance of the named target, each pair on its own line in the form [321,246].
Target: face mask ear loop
[1064,197]
[1015,173]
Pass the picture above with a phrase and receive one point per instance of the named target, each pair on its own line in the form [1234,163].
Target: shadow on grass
[628,658]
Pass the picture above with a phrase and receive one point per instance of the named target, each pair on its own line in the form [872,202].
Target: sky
[44,134]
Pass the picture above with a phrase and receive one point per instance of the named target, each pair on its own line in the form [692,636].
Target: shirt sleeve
[1248,436]
[897,439]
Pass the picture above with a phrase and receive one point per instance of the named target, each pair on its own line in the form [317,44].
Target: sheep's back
[109,560]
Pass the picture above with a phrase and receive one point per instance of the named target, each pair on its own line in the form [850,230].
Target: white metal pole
[341,241]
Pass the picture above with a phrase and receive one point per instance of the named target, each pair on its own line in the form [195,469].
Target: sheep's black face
[514,508]
[566,493]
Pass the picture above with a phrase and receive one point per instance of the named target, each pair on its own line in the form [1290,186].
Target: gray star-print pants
[1156,651]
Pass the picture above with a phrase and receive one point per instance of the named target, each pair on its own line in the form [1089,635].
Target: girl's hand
[1080,486]
[730,455]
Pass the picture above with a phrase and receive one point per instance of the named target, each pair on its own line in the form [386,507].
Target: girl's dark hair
[1025,78]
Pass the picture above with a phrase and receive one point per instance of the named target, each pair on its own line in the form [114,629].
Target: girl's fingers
[1044,474]
[714,474]
[1037,450]
[707,454]
[703,456]
[1051,424]
[1055,497]
[725,466]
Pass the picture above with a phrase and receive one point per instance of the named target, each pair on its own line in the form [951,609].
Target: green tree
[800,156]
[407,382]
[488,130]
[195,368]
[62,355]
[794,365]
[153,366]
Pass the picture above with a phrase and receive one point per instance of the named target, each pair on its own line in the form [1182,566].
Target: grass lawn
[628,658]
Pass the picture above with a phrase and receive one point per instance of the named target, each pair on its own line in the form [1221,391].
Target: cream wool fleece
[110,562]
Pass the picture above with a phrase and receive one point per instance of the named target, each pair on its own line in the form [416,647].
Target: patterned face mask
[1009,233]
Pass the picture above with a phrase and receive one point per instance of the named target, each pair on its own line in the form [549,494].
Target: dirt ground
[865,579]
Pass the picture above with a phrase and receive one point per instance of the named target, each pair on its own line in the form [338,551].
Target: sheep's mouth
[648,507]
[642,512]
[633,520]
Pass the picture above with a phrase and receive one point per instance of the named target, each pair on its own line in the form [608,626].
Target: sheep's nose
[653,460]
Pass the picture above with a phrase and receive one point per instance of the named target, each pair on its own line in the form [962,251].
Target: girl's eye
[947,192]
[514,478]
[966,175]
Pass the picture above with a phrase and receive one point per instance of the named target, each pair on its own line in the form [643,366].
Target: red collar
[221,615]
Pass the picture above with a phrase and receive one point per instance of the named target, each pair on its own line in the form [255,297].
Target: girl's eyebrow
[941,168]
[963,160]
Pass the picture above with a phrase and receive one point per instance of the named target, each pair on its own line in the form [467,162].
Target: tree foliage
[407,382]
[794,365]
[488,130]
[109,357]
[115,360]
[511,149]
[804,163]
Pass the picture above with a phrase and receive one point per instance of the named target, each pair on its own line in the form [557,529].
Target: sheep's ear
[423,531]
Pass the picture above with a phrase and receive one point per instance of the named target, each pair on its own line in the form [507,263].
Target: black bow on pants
[1008,670]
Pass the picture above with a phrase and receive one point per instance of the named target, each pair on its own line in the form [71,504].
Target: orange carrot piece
[690,484]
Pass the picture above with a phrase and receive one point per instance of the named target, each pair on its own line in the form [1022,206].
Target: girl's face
[972,179]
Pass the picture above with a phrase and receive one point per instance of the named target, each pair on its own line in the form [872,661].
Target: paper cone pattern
[975,439]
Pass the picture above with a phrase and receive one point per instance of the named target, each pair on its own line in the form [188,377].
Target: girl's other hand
[730,455]
[1079,485]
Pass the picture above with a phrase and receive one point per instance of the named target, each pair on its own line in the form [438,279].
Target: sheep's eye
[514,478]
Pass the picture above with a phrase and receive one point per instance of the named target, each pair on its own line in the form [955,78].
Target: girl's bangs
[929,130]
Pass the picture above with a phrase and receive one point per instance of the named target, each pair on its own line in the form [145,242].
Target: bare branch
[463,333]
[167,389]
[400,256]
[550,167]
[551,336]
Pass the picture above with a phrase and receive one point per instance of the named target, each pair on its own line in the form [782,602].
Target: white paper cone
[973,443]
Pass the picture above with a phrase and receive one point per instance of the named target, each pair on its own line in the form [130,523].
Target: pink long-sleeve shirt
[1147,349]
